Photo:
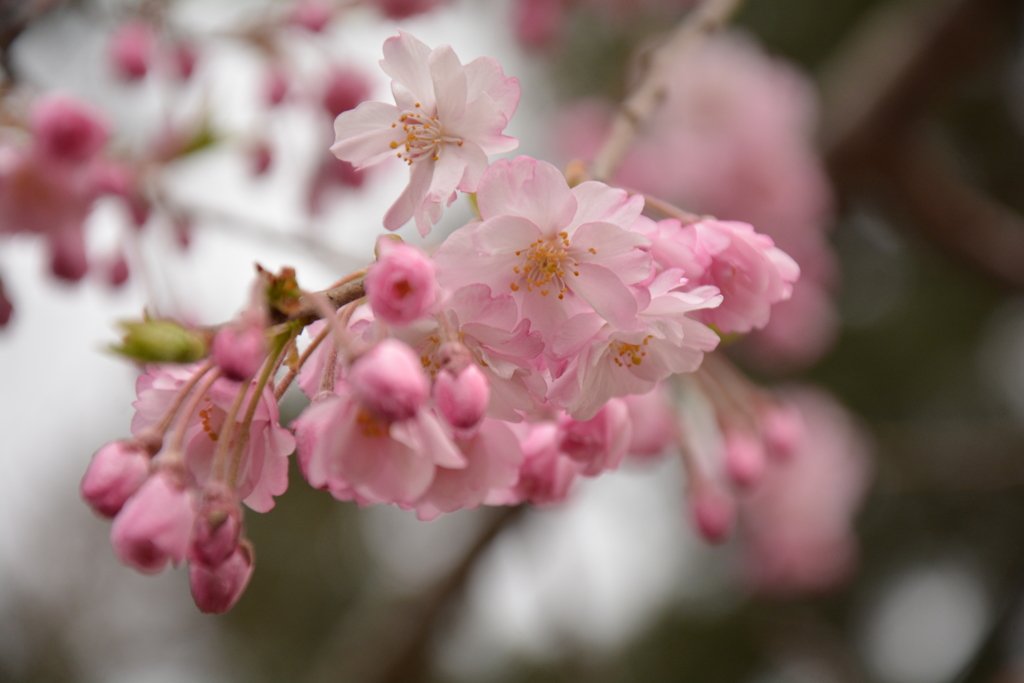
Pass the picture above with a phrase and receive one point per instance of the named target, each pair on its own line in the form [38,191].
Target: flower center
[629,353]
[545,266]
[424,136]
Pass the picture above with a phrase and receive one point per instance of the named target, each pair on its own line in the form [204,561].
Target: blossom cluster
[542,342]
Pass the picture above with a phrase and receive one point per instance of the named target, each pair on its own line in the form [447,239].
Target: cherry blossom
[446,120]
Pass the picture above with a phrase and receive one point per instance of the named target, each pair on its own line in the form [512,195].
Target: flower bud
[714,513]
[261,156]
[275,86]
[68,260]
[744,458]
[217,528]
[116,472]
[400,285]
[64,129]
[184,57]
[312,15]
[117,271]
[239,350]
[599,444]
[782,427]
[462,396]
[402,9]
[389,381]
[131,49]
[153,526]
[160,341]
[217,589]
[6,307]
[346,88]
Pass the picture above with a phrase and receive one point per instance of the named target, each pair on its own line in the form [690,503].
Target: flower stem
[280,341]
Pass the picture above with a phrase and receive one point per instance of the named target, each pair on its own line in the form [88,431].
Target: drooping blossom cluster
[542,342]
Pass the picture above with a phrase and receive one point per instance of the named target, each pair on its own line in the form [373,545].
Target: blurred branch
[15,17]
[878,94]
[708,17]
[389,643]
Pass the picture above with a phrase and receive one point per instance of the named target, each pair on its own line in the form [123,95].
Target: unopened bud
[65,129]
[275,86]
[217,589]
[160,341]
[311,15]
[261,157]
[184,56]
[6,307]
[67,254]
[217,528]
[462,395]
[346,88]
[239,350]
[401,285]
[389,381]
[782,427]
[714,513]
[116,472]
[154,525]
[744,458]
[131,49]
[117,271]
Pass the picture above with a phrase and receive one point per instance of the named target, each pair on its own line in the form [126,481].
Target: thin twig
[708,17]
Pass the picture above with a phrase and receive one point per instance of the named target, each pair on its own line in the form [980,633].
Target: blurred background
[880,142]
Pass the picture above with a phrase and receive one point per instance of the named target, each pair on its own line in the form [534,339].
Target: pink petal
[363,135]
[610,298]
[449,83]
[406,60]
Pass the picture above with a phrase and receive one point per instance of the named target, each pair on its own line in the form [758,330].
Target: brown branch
[309,310]
[708,17]
[388,642]
[878,97]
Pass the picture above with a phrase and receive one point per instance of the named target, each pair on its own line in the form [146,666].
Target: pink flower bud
[154,525]
[6,307]
[462,397]
[64,129]
[599,444]
[539,22]
[261,157]
[744,458]
[239,350]
[275,86]
[400,285]
[117,271]
[217,528]
[67,254]
[714,513]
[389,381]
[131,49]
[782,427]
[312,15]
[184,56]
[116,472]
[217,589]
[400,9]
[346,88]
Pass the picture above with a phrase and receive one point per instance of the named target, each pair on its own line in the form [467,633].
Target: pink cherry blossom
[501,345]
[557,251]
[401,285]
[116,472]
[600,443]
[448,119]
[607,362]
[357,455]
[154,525]
[493,456]
[546,476]
[217,527]
[263,471]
